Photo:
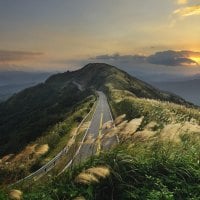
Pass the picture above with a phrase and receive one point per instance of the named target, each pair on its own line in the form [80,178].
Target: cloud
[122,58]
[188,11]
[181,2]
[16,56]
[165,58]
[173,58]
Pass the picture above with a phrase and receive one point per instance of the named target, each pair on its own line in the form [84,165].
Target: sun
[196,59]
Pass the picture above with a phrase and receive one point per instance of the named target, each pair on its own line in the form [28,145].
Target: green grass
[123,102]
[62,129]
[56,137]
[146,170]
[151,170]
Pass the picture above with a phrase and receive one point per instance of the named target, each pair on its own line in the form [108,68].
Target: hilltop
[101,76]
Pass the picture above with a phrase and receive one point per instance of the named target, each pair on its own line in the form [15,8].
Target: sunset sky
[56,34]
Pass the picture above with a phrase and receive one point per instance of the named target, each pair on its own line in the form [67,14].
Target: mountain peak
[98,65]
[100,76]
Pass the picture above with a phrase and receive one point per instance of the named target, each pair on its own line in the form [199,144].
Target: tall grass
[141,170]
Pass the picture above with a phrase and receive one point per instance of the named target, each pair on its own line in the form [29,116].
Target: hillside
[101,76]
[28,114]
[157,155]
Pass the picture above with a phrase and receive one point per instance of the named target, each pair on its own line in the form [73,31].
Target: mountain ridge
[27,114]
[100,75]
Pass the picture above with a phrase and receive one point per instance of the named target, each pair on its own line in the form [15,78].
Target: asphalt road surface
[101,116]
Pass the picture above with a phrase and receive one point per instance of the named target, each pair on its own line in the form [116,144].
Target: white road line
[78,150]
[47,167]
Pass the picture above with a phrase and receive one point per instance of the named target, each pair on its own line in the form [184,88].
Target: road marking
[47,167]
[81,144]
[99,136]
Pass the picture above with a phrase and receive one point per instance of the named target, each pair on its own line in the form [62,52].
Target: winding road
[102,115]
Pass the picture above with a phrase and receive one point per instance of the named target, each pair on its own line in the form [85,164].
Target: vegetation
[140,170]
[152,110]
[158,157]
[44,148]
[27,115]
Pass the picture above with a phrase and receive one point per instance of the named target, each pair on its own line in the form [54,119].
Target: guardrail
[81,144]
[52,163]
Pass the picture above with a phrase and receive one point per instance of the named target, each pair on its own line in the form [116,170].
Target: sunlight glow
[196,59]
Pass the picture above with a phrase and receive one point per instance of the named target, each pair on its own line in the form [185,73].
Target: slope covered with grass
[37,153]
[26,115]
[141,170]
[148,163]
[158,154]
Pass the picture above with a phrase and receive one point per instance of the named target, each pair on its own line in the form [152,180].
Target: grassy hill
[144,171]
[102,77]
[157,157]
[26,115]
[151,161]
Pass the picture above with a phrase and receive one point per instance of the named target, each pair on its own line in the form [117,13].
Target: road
[52,163]
[101,116]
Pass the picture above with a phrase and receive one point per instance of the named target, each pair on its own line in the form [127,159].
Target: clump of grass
[86,178]
[79,198]
[15,195]
[93,175]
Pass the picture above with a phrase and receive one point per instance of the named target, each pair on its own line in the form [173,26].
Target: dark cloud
[9,56]
[166,58]
[172,58]
[122,58]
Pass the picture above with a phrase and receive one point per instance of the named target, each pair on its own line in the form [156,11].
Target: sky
[65,34]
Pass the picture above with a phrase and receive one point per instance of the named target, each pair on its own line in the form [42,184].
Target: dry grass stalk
[42,149]
[133,125]
[101,171]
[120,119]
[15,195]
[107,125]
[86,178]
[173,132]
[79,198]
[92,175]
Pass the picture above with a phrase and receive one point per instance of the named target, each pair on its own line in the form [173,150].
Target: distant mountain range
[14,81]
[188,89]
